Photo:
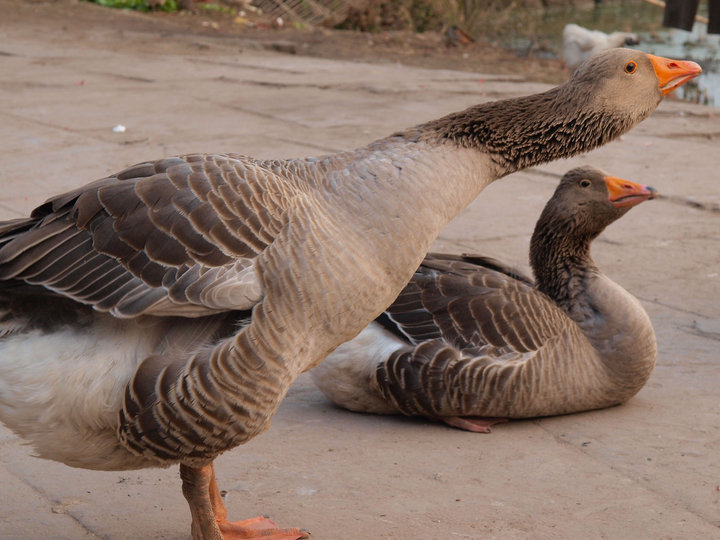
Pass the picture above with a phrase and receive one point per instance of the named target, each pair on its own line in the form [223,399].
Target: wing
[472,302]
[472,325]
[469,263]
[170,237]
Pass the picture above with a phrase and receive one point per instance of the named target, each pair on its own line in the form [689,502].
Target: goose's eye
[584,183]
[630,67]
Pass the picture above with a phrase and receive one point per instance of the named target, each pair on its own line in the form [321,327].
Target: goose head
[605,97]
[629,82]
[587,200]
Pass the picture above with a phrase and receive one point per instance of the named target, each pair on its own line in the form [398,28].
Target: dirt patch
[202,30]
[429,50]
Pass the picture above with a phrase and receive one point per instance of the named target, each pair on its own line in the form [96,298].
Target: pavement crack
[262,68]
[256,113]
[37,122]
[132,78]
[350,87]
[52,503]
[586,451]
[272,84]
[710,207]
[484,78]
[322,148]
[702,114]
[21,85]
[709,135]
[604,240]
[696,330]
[670,306]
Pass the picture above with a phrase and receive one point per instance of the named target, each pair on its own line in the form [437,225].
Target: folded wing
[471,323]
[172,237]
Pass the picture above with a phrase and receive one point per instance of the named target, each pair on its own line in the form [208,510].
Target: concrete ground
[648,469]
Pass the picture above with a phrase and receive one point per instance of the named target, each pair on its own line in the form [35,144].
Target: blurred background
[466,29]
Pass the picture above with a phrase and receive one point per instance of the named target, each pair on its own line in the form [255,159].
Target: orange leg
[477,424]
[209,515]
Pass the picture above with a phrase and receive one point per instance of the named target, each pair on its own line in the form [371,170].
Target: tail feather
[347,376]
[12,228]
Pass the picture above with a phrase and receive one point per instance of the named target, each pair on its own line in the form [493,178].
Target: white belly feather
[40,374]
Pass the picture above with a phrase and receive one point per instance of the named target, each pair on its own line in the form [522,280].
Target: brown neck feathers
[560,257]
[529,130]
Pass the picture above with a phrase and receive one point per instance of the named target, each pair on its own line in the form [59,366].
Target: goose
[472,342]
[158,316]
[580,43]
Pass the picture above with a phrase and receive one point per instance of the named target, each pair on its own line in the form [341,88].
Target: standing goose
[159,316]
[471,342]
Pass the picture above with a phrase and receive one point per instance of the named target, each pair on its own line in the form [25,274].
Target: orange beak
[625,193]
[672,74]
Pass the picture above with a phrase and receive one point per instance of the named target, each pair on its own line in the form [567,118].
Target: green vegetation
[139,5]
[158,5]
[216,7]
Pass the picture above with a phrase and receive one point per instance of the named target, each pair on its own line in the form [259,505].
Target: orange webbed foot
[476,424]
[209,514]
[258,527]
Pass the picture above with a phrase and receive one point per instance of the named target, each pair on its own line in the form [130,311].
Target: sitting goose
[580,43]
[471,342]
[158,316]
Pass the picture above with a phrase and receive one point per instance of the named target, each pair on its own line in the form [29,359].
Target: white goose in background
[158,316]
[470,341]
[580,43]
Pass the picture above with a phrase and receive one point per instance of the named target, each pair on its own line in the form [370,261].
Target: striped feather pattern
[190,407]
[176,236]
[477,324]
[449,297]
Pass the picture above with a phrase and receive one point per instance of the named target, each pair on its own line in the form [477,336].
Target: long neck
[530,130]
[612,320]
[561,261]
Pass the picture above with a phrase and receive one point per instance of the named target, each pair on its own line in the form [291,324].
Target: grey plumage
[474,337]
[267,264]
